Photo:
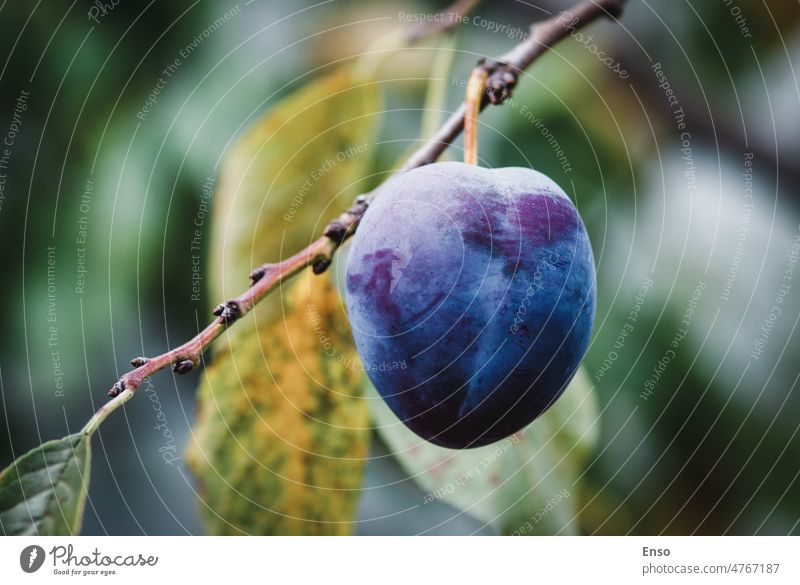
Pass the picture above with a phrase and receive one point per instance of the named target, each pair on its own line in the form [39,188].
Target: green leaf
[44,491]
[525,484]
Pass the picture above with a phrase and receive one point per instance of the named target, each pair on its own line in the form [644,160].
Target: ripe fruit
[471,297]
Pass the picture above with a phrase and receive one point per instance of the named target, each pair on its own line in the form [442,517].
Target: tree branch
[502,76]
[504,71]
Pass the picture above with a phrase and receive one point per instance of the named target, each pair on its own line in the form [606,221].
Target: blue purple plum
[471,296]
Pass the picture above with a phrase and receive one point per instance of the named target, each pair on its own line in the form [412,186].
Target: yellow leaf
[299,166]
[282,431]
[280,434]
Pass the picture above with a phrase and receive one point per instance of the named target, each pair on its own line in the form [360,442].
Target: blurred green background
[704,441]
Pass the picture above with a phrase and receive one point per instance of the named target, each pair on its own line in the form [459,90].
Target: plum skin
[471,296]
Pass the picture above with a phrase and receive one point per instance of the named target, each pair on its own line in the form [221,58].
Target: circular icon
[31,558]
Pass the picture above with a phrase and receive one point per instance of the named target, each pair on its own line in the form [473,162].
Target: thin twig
[502,75]
[504,71]
[265,279]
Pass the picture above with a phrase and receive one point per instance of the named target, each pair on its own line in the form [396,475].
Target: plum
[471,295]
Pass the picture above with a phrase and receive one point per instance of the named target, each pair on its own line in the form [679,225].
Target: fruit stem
[475,91]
